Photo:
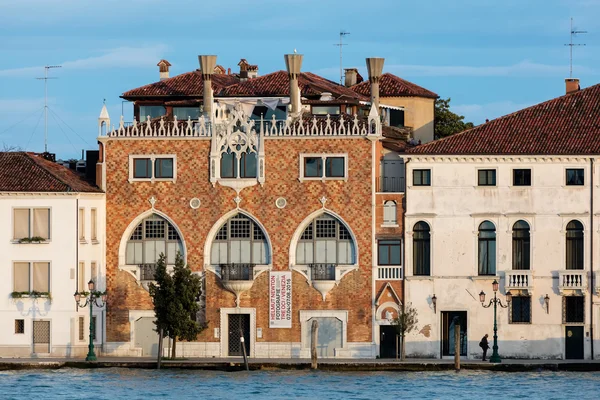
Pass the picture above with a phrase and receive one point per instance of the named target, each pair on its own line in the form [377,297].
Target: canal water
[184,384]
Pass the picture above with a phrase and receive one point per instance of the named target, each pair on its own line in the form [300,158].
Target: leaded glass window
[151,237]
[326,240]
[240,241]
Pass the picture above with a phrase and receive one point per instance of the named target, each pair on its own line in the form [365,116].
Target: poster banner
[280,299]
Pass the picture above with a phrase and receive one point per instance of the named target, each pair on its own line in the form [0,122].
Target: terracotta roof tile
[29,172]
[188,84]
[566,125]
[393,86]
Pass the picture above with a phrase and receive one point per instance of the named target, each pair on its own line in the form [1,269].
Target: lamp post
[90,300]
[495,358]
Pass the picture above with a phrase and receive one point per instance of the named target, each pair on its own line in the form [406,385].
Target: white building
[515,200]
[51,245]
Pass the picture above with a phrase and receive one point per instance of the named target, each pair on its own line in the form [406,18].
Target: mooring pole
[457,347]
[160,348]
[244,349]
[313,344]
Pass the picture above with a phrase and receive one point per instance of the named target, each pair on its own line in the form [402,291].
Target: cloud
[121,57]
[478,113]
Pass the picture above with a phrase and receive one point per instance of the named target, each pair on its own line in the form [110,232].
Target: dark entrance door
[239,323]
[574,342]
[387,341]
[450,319]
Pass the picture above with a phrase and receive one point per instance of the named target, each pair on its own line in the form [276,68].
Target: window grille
[326,228]
[155,229]
[222,234]
[520,310]
[573,309]
[19,326]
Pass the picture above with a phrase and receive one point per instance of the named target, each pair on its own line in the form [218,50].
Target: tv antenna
[45,79]
[571,44]
[341,44]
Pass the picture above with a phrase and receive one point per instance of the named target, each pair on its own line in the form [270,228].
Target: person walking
[484,345]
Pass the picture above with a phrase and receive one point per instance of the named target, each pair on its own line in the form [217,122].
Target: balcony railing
[237,272]
[390,184]
[147,272]
[572,280]
[519,280]
[322,272]
[389,273]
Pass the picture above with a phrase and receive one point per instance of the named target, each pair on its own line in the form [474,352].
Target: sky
[490,57]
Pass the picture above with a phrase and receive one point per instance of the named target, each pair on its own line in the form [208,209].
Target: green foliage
[162,291]
[33,294]
[406,321]
[34,239]
[448,123]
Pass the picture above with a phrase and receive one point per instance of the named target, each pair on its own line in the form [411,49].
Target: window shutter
[41,222]
[41,276]
[21,224]
[21,276]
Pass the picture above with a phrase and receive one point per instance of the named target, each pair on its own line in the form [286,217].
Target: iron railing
[322,272]
[147,272]
[237,272]
[390,184]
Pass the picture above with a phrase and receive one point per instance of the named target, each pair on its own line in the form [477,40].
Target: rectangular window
[422,177]
[324,110]
[486,177]
[28,277]
[82,224]
[94,218]
[334,167]
[183,113]
[152,112]
[81,328]
[574,176]
[41,277]
[21,277]
[521,177]
[389,252]
[19,326]
[573,309]
[31,222]
[94,271]
[313,167]
[520,308]
[228,165]
[81,287]
[142,168]
[248,165]
[163,168]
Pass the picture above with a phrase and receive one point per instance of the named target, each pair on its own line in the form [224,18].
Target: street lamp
[90,300]
[495,358]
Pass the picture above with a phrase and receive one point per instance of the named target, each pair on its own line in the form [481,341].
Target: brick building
[283,192]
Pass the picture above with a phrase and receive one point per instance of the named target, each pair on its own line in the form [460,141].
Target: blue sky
[490,57]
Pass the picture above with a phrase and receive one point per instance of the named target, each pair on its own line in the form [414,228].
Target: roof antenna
[571,44]
[341,44]
[45,79]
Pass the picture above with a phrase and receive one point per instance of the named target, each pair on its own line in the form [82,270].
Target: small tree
[163,294]
[446,122]
[405,322]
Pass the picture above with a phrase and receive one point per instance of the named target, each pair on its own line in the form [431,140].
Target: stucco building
[514,200]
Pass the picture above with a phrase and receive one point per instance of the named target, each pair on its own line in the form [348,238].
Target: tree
[405,322]
[7,148]
[163,294]
[446,122]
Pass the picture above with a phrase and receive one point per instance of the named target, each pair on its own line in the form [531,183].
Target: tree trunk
[402,350]
[313,344]
[174,347]
[160,348]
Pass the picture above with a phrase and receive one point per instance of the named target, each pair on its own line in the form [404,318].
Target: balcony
[237,278]
[390,184]
[323,277]
[572,280]
[389,273]
[519,280]
[147,272]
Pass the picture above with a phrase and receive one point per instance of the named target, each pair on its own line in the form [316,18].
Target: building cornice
[525,159]
[50,194]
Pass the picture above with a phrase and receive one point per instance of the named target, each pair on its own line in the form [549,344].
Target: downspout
[404,209]
[592,256]
[77,248]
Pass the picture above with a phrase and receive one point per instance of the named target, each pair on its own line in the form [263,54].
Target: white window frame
[495,185]
[152,157]
[393,224]
[324,157]
[94,225]
[81,225]
[31,273]
[31,216]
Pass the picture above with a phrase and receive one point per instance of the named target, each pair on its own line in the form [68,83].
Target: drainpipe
[77,248]
[592,256]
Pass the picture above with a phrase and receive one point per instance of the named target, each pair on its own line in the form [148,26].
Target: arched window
[326,240]
[574,245]
[521,245]
[389,213]
[421,249]
[487,248]
[235,164]
[240,240]
[152,236]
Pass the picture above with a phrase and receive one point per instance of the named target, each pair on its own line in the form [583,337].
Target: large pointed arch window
[326,240]
[574,245]
[521,246]
[487,248]
[151,237]
[240,240]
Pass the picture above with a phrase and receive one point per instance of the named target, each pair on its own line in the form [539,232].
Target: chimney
[207,66]
[243,64]
[351,76]
[293,64]
[163,68]
[572,85]
[375,68]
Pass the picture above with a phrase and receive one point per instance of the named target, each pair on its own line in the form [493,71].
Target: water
[185,384]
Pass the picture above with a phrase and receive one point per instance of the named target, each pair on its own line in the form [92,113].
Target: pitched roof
[187,84]
[278,84]
[391,85]
[566,125]
[29,172]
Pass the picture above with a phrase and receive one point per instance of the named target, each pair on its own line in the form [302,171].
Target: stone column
[293,64]
[207,66]
[375,68]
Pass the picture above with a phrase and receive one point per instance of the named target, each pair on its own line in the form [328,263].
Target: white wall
[454,206]
[63,251]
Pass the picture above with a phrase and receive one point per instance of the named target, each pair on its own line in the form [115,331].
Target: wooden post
[313,344]
[242,342]
[160,348]
[397,346]
[457,347]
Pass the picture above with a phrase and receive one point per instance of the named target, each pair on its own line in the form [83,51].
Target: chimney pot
[293,64]
[207,66]
[163,69]
[375,68]
[572,85]
[351,77]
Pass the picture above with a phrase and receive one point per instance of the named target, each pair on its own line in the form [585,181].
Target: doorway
[41,337]
[387,341]
[574,342]
[451,319]
[146,337]
[239,323]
